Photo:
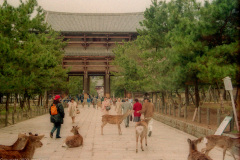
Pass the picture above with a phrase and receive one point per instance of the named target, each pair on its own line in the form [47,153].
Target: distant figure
[119,106]
[72,109]
[105,104]
[126,106]
[137,107]
[88,101]
[94,102]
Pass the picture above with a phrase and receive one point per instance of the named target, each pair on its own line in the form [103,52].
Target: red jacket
[137,107]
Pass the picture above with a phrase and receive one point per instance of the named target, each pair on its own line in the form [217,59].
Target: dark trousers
[57,126]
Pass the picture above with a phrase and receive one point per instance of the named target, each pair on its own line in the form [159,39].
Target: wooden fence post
[163,108]
[13,117]
[174,111]
[185,111]
[199,114]
[179,110]
[218,117]
[170,106]
[208,116]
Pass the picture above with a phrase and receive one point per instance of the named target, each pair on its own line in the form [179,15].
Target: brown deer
[18,145]
[27,152]
[74,141]
[114,119]
[194,154]
[141,131]
[224,142]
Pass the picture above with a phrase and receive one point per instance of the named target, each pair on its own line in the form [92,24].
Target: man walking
[148,110]
[126,106]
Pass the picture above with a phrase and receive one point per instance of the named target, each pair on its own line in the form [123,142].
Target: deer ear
[40,137]
[189,141]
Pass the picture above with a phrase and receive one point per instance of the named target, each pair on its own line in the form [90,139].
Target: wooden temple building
[91,37]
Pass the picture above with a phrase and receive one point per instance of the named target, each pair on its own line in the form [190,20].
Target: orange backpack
[54,110]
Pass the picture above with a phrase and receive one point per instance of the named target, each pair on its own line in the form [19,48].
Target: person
[118,106]
[72,109]
[126,106]
[148,110]
[94,102]
[105,104]
[137,107]
[88,101]
[57,119]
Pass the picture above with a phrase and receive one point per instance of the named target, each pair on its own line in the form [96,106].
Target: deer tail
[139,129]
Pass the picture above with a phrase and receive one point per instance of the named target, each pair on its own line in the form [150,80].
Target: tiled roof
[94,22]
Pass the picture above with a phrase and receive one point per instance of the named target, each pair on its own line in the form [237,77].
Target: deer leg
[103,124]
[119,129]
[224,152]
[136,143]
[231,153]
[146,140]
[141,144]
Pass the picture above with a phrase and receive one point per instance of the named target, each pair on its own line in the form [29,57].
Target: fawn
[74,141]
[18,145]
[114,119]
[141,131]
[194,154]
[224,142]
[27,152]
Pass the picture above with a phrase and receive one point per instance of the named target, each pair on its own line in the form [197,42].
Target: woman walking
[57,114]
[119,107]
[137,107]
[72,109]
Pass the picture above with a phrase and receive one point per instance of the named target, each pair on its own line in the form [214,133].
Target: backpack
[54,110]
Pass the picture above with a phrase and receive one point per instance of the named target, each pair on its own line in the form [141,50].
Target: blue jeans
[58,127]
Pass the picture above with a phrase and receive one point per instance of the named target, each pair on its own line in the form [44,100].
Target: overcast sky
[91,6]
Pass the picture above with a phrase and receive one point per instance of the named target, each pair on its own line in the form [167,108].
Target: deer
[19,143]
[141,131]
[27,152]
[74,141]
[194,154]
[224,142]
[114,119]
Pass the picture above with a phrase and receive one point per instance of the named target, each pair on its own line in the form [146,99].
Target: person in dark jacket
[57,119]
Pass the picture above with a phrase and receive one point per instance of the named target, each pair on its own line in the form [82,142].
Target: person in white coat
[72,109]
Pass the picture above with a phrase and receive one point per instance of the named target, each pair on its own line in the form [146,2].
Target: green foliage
[180,42]
[31,52]
[75,85]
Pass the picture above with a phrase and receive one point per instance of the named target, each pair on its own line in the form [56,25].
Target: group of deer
[23,148]
[224,142]
[141,127]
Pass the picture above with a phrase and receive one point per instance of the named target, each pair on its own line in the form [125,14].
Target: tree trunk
[197,94]
[179,97]
[15,102]
[187,95]
[39,99]
[163,99]
[28,103]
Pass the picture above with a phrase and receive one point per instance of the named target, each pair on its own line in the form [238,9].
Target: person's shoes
[150,133]
[58,137]
[51,134]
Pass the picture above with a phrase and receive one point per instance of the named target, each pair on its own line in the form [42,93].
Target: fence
[205,116]
[9,118]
